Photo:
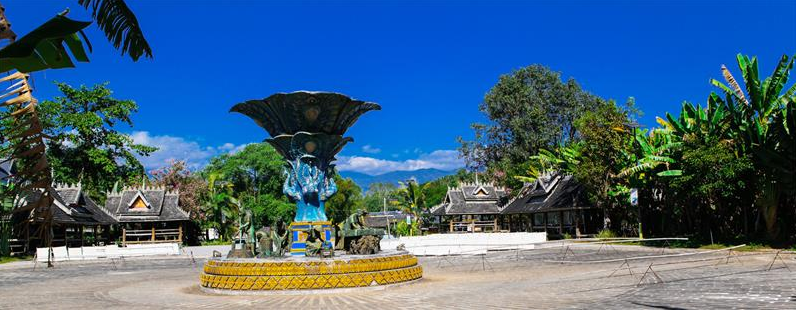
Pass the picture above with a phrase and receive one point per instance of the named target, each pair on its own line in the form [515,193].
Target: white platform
[109,251]
[465,244]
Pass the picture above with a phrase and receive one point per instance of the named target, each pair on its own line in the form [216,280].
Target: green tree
[712,187]
[346,201]
[221,207]
[378,194]
[434,191]
[413,201]
[86,145]
[604,141]
[529,109]
[255,175]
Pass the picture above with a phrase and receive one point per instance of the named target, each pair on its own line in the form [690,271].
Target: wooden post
[27,237]
[124,236]
[496,225]
[583,219]
[451,225]
[153,232]
[180,237]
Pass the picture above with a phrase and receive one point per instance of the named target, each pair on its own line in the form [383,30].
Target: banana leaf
[670,173]
[43,48]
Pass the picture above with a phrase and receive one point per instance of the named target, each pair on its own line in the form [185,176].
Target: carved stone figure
[354,230]
[365,245]
[266,243]
[279,244]
[315,243]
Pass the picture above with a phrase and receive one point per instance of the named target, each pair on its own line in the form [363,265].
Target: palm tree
[412,194]
[221,205]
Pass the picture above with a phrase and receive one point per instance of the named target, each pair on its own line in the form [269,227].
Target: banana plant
[564,159]
[696,122]
[654,154]
[757,118]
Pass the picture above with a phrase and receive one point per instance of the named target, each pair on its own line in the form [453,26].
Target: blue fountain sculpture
[307,129]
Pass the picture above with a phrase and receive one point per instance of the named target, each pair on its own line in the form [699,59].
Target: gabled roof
[550,192]
[72,206]
[471,198]
[163,205]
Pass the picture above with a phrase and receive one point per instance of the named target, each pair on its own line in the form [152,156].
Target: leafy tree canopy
[254,176]
[529,109]
[86,145]
[346,201]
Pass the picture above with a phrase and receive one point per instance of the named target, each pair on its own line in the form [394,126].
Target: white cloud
[177,148]
[439,159]
[370,149]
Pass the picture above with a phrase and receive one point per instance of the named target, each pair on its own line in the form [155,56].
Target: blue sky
[428,64]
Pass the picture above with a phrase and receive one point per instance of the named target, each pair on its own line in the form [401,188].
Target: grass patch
[715,246]
[217,242]
[751,247]
[9,259]
[628,243]
[605,233]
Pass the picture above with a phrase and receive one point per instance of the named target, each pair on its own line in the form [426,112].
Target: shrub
[605,234]
[402,229]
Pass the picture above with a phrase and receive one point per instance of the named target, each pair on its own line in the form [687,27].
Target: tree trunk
[768,203]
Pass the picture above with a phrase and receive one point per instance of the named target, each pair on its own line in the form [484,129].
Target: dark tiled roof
[551,193]
[486,207]
[373,221]
[380,219]
[162,205]
[471,198]
[72,206]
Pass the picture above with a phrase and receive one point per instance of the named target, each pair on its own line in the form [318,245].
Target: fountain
[307,129]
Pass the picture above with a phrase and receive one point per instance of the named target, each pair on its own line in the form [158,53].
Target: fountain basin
[232,276]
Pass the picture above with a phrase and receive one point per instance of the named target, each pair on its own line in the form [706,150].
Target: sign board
[634,196]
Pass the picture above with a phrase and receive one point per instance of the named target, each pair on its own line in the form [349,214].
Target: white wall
[465,244]
[108,251]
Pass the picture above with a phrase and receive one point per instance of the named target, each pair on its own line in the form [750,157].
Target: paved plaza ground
[576,276]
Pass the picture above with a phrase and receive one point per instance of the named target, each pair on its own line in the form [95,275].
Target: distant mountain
[421,175]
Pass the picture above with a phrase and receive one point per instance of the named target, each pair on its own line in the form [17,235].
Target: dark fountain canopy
[315,112]
[294,119]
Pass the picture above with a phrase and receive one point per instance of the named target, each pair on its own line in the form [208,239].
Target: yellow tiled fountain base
[299,275]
